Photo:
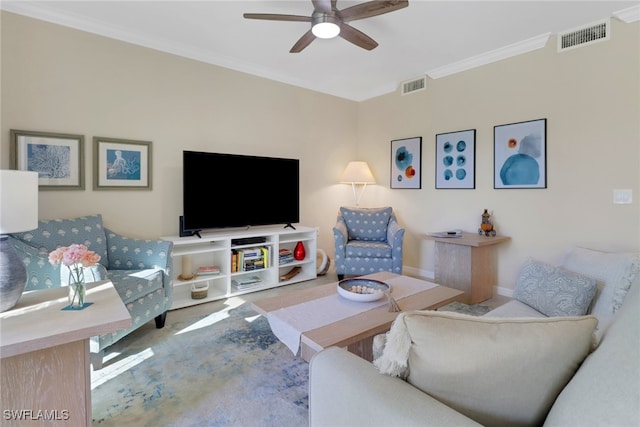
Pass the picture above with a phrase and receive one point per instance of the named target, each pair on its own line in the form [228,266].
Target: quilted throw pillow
[554,291]
[496,371]
[52,234]
[367,223]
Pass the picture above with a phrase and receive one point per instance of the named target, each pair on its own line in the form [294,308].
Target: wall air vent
[583,36]
[415,85]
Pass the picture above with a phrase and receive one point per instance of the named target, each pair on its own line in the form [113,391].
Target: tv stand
[216,249]
[289,225]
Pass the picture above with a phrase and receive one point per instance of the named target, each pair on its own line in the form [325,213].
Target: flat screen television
[230,190]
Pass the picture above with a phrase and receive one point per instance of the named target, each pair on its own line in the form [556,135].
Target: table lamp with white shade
[357,173]
[18,212]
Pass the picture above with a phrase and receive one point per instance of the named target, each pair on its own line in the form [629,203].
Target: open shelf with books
[234,262]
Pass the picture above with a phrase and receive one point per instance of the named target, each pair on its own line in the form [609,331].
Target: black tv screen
[230,190]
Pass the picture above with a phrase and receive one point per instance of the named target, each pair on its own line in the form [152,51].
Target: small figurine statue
[486,227]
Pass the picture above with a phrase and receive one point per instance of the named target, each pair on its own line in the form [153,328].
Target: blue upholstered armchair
[367,240]
[140,270]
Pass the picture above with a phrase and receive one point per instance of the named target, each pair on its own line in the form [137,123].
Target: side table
[44,351]
[467,263]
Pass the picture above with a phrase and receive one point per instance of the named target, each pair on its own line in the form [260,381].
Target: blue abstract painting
[520,155]
[456,159]
[406,163]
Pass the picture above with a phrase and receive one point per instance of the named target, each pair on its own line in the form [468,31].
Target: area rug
[212,365]
[222,369]
[473,310]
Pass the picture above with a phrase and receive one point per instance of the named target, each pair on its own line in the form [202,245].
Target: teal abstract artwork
[520,155]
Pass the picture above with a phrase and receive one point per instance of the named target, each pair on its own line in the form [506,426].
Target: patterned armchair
[367,240]
[140,270]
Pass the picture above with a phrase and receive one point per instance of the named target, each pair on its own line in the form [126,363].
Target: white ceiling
[428,37]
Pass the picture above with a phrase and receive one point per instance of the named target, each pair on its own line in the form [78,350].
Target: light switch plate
[622,197]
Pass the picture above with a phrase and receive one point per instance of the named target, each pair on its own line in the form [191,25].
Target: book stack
[249,259]
[286,256]
[245,283]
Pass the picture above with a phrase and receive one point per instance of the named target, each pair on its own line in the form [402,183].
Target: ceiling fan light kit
[328,22]
[325,26]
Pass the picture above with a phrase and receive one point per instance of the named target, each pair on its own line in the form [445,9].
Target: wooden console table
[467,263]
[46,372]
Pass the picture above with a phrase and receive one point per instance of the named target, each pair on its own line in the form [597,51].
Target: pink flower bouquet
[75,257]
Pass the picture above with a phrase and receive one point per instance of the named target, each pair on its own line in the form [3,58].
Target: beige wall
[590,97]
[58,79]
[62,80]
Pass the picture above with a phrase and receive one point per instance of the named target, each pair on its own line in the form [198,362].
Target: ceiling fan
[328,22]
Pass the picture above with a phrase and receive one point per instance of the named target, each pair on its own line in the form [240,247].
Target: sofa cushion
[133,284]
[614,272]
[514,308]
[496,371]
[364,249]
[55,233]
[90,274]
[367,223]
[554,291]
[606,389]
[41,274]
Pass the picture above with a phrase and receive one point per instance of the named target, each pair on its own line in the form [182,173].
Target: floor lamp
[18,212]
[357,173]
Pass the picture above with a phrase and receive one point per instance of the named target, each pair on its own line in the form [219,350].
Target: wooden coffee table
[356,332]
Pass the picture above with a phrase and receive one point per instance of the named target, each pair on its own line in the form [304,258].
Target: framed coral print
[121,164]
[406,163]
[456,159]
[57,157]
[520,155]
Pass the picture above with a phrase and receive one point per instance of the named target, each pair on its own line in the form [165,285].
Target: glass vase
[76,294]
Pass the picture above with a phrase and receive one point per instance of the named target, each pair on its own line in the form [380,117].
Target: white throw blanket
[395,356]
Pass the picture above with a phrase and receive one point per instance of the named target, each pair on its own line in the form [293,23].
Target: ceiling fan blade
[357,37]
[322,5]
[303,42]
[372,8]
[277,17]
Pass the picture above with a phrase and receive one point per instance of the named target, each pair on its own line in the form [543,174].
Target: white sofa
[456,378]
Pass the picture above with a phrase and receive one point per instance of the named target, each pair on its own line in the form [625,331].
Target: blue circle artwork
[520,169]
[399,178]
[404,158]
[455,164]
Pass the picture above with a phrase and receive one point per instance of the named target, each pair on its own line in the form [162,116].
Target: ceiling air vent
[583,36]
[415,85]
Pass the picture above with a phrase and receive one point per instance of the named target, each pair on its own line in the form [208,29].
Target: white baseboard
[503,291]
[418,273]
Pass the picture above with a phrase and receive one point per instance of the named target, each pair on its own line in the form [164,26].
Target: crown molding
[43,11]
[628,15]
[509,51]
